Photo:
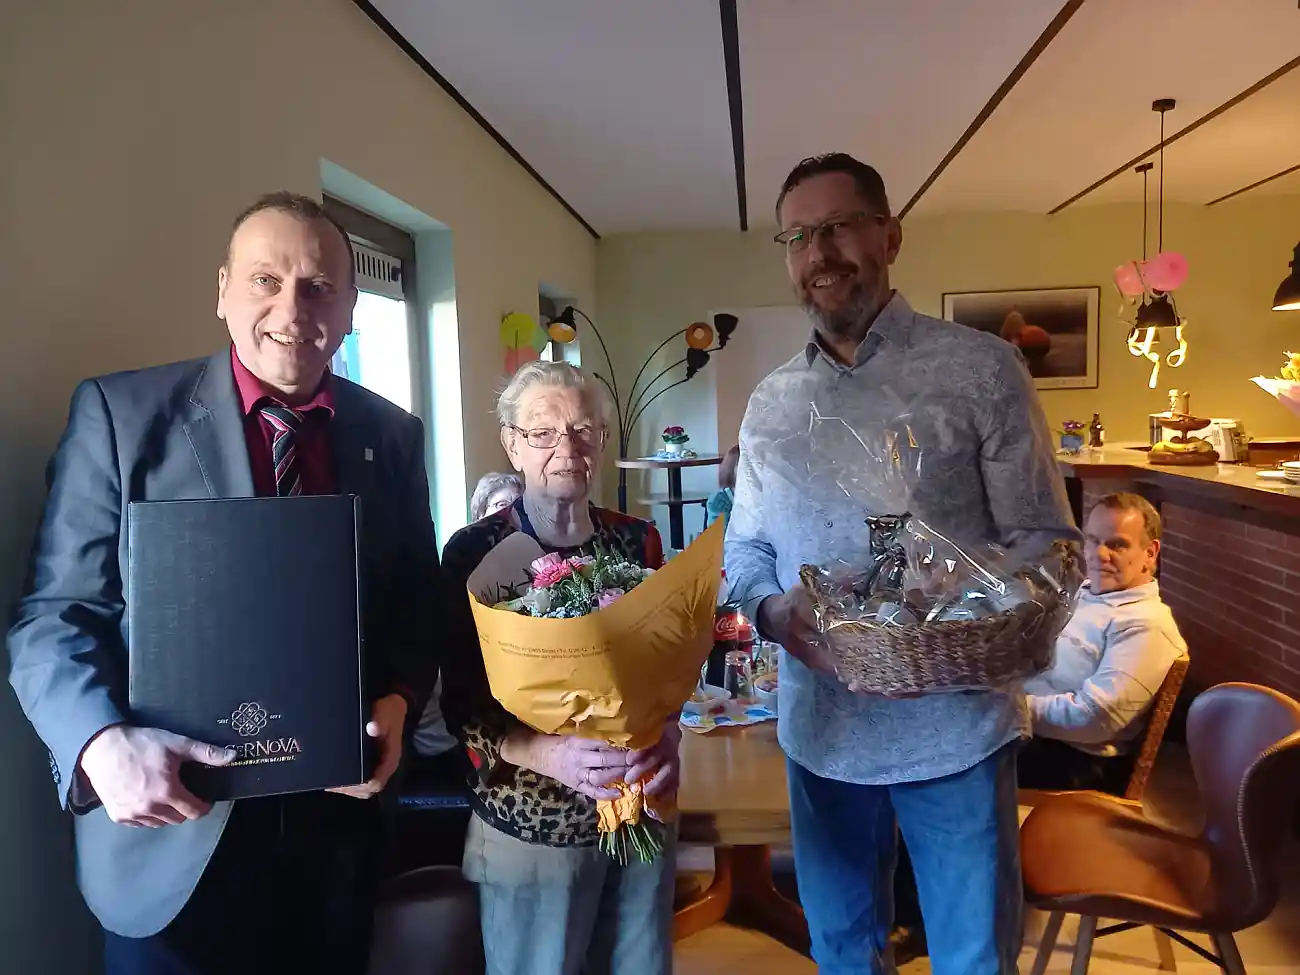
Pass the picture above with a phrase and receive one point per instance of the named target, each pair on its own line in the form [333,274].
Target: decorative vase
[1071,443]
[673,448]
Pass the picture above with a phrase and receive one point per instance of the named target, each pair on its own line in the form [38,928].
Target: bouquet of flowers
[920,611]
[564,589]
[599,647]
[1286,386]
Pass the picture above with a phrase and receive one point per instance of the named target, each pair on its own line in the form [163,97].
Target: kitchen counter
[1228,483]
[1230,557]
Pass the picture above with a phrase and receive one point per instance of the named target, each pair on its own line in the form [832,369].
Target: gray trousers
[570,910]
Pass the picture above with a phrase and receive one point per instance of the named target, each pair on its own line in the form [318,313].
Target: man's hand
[135,772]
[387,720]
[583,764]
[788,619]
[865,692]
[661,758]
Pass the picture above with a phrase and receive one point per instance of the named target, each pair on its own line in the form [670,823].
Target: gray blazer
[176,432]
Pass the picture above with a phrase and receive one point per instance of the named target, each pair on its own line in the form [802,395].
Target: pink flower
[607,597]
[550,569]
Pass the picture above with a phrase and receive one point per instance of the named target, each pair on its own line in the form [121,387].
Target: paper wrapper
[1286,391]
[616,674]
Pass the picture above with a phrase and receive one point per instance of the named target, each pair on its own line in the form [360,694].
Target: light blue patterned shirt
[989,474]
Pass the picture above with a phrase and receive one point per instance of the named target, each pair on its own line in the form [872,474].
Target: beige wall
[651,284]
[133,132]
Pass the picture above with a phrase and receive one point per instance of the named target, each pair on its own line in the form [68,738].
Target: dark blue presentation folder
[244,629]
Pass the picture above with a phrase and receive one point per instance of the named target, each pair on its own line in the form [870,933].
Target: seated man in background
[1111,658]
[1093,703]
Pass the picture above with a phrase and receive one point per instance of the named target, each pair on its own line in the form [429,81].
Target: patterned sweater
[535,808]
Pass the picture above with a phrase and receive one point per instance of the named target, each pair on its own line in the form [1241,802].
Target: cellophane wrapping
[927,610]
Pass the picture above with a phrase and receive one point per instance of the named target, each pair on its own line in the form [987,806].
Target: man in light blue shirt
[941,766]
[1091,708]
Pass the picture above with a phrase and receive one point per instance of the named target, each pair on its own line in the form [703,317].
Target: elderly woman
[552,902]
[494,492]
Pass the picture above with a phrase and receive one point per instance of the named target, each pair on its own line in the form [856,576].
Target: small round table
[674,500]
[733,798]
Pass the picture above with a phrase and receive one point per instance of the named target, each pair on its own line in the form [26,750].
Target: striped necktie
[284,449]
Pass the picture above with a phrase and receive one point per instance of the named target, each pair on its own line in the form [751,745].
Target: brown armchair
[1097,856]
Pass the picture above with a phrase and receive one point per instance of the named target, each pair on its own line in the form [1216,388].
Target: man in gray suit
[183,887]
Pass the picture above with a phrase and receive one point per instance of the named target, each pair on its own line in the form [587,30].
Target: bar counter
[1230,561]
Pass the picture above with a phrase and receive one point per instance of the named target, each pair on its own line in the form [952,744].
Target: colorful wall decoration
[522,340]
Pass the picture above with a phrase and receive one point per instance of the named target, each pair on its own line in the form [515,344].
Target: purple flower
[607,597]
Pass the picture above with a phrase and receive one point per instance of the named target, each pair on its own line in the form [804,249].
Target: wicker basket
[932,657]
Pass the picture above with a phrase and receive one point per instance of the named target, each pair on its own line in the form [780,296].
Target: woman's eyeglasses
[545,438]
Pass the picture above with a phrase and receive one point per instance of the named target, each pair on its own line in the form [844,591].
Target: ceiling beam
[1207,117]
[422,62]
[1258,183]
[731,61]
[1039,46]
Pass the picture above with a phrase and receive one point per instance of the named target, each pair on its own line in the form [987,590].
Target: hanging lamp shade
[1158,312]
[1287,297]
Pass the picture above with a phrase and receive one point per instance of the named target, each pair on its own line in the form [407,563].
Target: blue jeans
[962,833]
[549,910]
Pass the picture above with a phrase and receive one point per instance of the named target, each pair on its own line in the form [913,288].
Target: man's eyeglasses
[545,438]
[797,239]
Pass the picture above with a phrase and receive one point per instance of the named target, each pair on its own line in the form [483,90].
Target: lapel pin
[370,454]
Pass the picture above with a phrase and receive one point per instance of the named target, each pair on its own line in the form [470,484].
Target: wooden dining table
[733,798]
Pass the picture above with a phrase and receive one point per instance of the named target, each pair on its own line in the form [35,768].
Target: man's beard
[849,320]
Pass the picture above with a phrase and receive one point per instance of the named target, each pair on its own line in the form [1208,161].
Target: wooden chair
[1097,856]
[427,923]
[1162,708]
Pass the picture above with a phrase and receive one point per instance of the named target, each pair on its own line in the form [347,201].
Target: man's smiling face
[286,295]
[841,271]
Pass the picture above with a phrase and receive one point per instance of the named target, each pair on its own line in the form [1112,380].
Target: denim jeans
[549,910]
[963,837]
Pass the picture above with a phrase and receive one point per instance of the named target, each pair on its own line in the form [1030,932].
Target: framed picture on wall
[1054,328]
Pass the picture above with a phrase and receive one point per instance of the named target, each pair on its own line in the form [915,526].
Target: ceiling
[623,108]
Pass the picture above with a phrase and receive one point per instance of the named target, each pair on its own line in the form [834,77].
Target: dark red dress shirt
[315,454]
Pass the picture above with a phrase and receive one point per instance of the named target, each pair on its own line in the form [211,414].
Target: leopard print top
[535,808]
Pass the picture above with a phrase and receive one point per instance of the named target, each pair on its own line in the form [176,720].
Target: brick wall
[1234,589]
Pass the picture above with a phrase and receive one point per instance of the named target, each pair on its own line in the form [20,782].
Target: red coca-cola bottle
[726,633]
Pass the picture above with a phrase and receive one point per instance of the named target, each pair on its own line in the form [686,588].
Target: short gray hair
[1128,501]
[488,485]
[556,375]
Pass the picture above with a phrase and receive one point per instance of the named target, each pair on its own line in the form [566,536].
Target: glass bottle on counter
[1096,432]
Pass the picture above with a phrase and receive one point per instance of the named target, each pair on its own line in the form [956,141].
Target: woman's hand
[582,764]
[663,759]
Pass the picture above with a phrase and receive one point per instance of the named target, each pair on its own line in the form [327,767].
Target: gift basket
[923,611]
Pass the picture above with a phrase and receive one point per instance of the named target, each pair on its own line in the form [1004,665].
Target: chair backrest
[1157,722]
[1244,742]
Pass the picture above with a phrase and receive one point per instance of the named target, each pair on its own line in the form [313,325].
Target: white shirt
[1111,659]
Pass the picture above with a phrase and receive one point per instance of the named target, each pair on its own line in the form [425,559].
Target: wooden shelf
[666,500]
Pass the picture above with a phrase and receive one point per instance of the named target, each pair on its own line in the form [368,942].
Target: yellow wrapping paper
[616,674]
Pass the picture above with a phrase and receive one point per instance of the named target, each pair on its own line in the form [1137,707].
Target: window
[379,354]
[405,342]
